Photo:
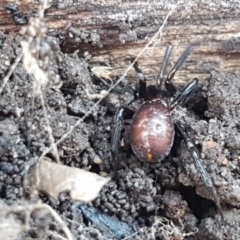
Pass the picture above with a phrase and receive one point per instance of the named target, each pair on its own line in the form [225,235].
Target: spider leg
[199,166]
[142,82]
[121,114]
[168,84]
[164,66]
[187,90]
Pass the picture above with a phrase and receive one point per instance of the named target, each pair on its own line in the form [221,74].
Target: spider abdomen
[152,132]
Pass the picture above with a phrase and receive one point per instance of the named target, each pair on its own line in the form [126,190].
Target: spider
[152,129]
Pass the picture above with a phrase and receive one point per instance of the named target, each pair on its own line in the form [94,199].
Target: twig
[49,129]
[113,86]
[57,218]
[31,208]
[55,235]
[12,68]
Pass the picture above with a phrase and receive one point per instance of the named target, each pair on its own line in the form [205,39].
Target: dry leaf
[52,179]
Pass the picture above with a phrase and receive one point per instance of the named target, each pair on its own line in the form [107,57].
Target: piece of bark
[114,31]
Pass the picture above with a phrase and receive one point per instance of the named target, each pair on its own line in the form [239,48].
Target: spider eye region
[152,132]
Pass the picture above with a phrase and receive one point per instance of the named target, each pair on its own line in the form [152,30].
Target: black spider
[152,130]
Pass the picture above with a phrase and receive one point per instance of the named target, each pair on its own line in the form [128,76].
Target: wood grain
[115,31]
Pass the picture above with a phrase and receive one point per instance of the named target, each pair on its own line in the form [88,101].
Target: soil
[166,200]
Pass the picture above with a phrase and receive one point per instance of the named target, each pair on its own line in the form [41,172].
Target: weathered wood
[114,31]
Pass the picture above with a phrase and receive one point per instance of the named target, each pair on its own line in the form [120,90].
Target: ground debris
[52,179]
[117,228]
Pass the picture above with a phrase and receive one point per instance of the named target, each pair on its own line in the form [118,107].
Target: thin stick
[49,129]
[12,68]
[113,86]
[57,218]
